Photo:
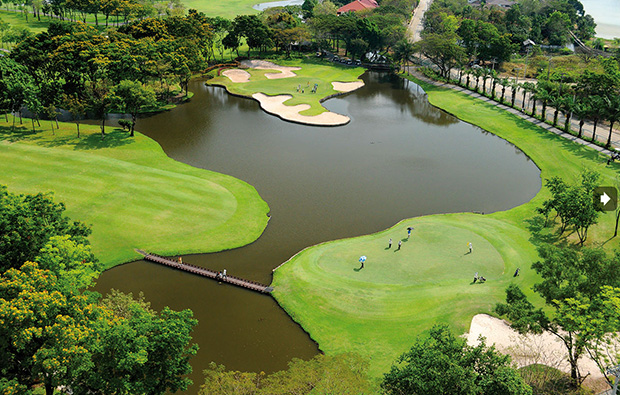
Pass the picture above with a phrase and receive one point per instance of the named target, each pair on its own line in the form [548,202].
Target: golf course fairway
[131,193]
[379,310]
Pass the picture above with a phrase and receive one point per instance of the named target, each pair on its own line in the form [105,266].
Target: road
[415,25]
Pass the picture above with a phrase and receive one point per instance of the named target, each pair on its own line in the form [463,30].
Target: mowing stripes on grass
[131,193]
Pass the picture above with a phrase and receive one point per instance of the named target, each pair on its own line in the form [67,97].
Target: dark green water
[399,157]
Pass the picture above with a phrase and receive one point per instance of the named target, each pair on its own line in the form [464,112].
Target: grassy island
[132,194]
[379,310]
[291,83]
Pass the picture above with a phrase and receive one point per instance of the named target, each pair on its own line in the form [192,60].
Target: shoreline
[274,104]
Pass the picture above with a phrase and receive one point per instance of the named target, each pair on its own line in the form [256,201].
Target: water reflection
[399,157]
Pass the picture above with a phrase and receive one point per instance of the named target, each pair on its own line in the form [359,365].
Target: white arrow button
[605,198]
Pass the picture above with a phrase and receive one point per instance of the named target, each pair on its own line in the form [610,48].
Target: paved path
[517,113]
[602,129]
[415,25]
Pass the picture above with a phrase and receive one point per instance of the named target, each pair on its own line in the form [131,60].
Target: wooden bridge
[251,285]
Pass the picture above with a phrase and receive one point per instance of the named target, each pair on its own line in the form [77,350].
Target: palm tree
[567,105]
[495,81]
[581,109]
[478,73]
[504,83]
[612,112]
[542,92]
[514,85]
[403,51]
[527,87]
[597,112]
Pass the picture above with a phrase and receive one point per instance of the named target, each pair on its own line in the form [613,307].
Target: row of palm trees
[593,97]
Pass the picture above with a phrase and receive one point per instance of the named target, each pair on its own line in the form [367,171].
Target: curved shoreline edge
[274,105]
[552,154]
[115,181]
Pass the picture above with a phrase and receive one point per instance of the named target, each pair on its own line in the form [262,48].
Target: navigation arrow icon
[605,198]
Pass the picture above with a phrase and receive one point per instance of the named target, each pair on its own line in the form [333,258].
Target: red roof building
[358,5]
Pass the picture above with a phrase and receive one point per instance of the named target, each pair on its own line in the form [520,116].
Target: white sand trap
[275,105]
[347,86]
[545,349]
[236,75]
[284,71]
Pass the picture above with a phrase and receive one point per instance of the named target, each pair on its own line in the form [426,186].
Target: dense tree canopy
[54,332]
[441,363]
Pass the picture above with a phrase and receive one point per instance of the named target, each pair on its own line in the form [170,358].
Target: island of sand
[266,83]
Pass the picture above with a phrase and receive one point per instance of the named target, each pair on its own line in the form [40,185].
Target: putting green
[378,311]
[436,253]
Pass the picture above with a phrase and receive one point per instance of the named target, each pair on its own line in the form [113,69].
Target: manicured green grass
[227,9]
[311,73]
[132,194]
[18,19]
[379,310]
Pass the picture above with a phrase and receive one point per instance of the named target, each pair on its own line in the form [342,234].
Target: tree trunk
[103,128]
[594,130]
[32,119]
[514,97]
[611,129]
[49,389]
[617,220]
[581,122]
[567,123]
[133,123]
[555,117]
[77,123]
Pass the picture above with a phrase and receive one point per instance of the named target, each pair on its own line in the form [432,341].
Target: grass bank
[132,194]
[311,73]
[226,9]
[379,310]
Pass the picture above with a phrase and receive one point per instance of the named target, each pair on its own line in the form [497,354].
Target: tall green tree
[27,222]
[442,363]
[567,276]
[131,97]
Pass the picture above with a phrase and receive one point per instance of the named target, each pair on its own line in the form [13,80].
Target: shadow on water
[398,158]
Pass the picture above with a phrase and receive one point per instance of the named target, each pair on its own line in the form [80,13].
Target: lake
[399,157]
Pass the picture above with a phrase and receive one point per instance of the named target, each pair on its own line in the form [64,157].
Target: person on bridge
[224,273]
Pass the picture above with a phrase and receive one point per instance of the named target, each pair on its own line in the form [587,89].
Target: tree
[441,49]
[612,111]
[131,97]
[403,52]
[256,33]
[343,374]
[567,276]
[441,363]
[27,222]
[573,203]
[44,327]
[76,107]
[135,350]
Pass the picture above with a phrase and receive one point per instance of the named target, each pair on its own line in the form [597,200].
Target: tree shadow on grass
[115,138]
[47,138]
[19,133]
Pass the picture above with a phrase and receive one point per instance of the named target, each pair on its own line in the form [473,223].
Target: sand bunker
[347,86]
[275,105]
[284,71]
[544,349]
[236,75]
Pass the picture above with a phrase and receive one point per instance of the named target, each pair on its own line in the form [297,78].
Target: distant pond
[399,157]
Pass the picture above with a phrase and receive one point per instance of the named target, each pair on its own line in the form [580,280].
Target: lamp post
[528,44]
